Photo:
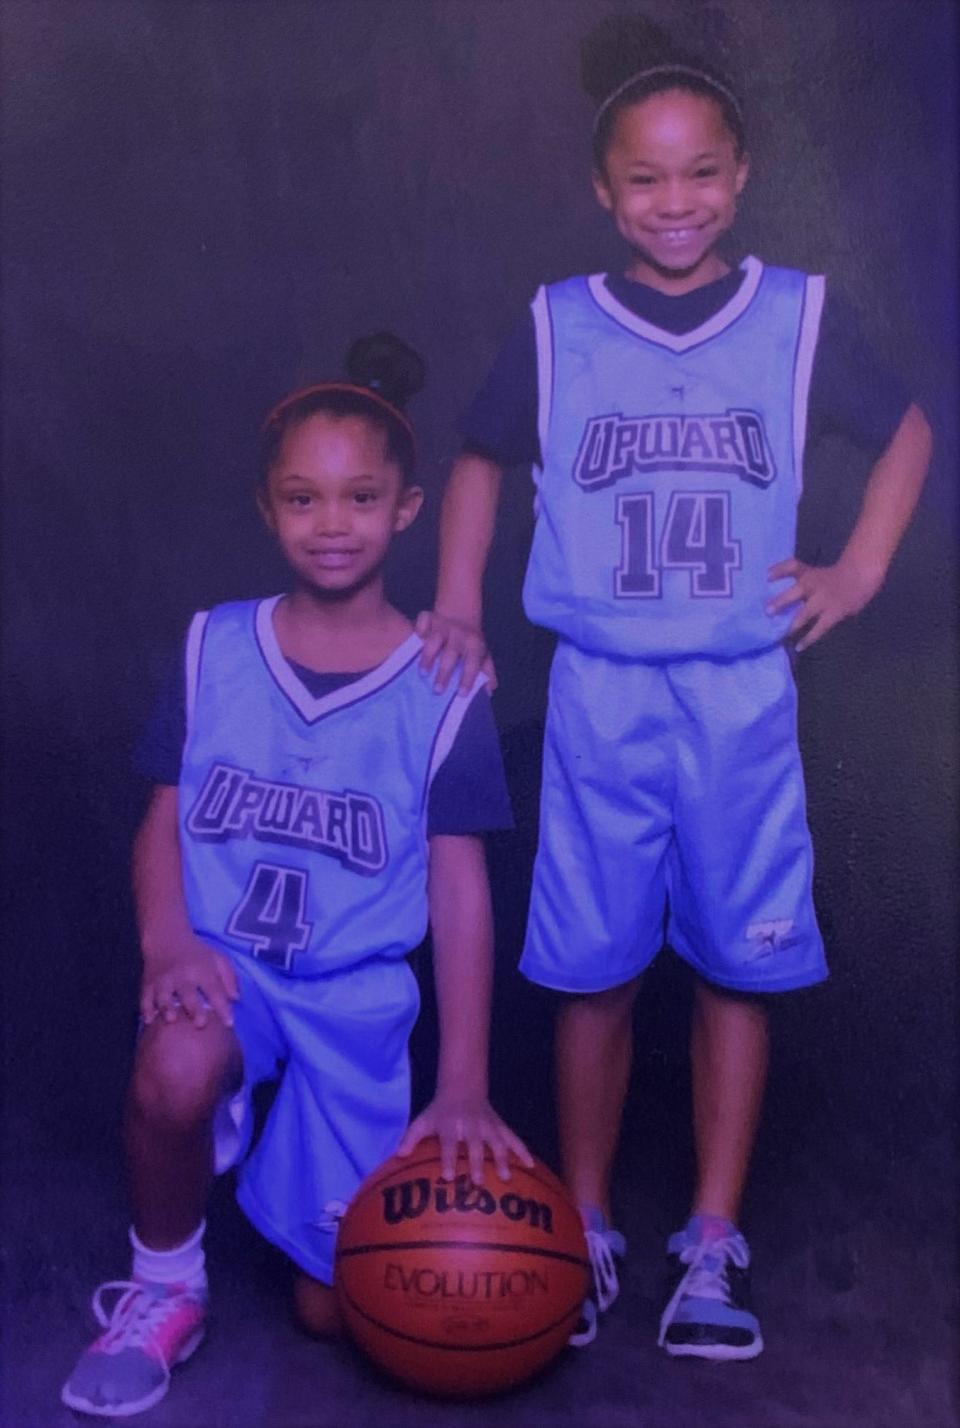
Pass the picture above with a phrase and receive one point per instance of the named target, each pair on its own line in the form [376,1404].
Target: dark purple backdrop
[203,201]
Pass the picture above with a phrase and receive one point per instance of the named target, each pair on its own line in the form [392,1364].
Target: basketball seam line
[396,1246]
[460,1348]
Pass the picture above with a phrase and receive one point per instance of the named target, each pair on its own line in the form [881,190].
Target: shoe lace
[135,1319]
[707,1262]
[602,1245]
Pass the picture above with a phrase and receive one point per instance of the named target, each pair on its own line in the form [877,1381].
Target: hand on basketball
[824,594]
[447,642]
[189,977]
[473,1123]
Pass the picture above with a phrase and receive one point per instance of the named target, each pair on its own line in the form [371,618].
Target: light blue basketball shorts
[672,810]
[338,1046]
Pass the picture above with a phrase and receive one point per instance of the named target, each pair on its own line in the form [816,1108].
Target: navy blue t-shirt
[469,791]
[852,393]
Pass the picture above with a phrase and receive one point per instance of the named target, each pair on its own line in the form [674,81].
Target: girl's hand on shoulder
[191,977]
[470,1121]
[447,643]
[824,595]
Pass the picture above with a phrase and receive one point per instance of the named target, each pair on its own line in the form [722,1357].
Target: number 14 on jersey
[696,537]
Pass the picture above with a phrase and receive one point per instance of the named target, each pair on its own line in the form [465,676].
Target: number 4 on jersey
[270,914]
[696,537]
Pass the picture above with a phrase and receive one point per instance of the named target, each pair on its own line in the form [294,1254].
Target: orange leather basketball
[455,1288]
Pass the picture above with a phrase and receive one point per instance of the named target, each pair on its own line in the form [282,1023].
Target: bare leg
[729,1051]
[181,1072]
[593,1051]
[315,1305]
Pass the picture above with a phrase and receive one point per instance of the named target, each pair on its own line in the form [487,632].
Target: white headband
[688,70]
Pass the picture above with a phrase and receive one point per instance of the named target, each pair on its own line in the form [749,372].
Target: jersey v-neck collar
[683,341]
[308,706]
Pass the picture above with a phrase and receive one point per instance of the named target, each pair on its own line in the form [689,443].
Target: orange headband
[367,392]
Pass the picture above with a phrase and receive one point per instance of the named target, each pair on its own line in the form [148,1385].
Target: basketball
[460,1289]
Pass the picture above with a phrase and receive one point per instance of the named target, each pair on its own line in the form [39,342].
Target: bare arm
[827,594]
[179,971]
[462,926]
[157,878]
[462,921]
[453,629]
[890,499]
[467,519]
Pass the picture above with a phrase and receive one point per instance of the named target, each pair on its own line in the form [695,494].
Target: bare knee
[611,1007]
[719,1004]
[181,1071]
[315,1307]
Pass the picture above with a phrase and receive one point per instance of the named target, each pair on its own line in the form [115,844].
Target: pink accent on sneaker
[161,1329]
[710,1227]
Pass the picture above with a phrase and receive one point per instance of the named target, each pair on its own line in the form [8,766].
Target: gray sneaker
[709,1314]
[150,1329]
[604,1246]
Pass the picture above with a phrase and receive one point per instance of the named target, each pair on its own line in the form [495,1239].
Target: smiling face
[670,179]
[334,501]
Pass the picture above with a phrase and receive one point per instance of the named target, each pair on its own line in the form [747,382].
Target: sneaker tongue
[593,1218]
[156,1290]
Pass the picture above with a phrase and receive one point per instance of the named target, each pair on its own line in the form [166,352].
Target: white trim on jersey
[303,701]
[195,633]
[680,342]
[543,328]
[450,727]
[816,286]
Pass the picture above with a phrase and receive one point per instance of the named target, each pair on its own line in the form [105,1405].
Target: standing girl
[315,801]
[666,409]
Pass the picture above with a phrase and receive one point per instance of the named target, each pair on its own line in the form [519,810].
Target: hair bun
[387,366]
[620,47]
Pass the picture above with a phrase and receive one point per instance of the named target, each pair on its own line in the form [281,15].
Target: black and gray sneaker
[708,1314]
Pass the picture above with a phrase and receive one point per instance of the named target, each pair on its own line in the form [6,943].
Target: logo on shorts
[772,936]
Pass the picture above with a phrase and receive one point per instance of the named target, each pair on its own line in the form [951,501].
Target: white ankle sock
[184,1264]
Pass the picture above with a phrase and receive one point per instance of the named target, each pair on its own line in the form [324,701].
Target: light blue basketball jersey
[303,820]
[672,466]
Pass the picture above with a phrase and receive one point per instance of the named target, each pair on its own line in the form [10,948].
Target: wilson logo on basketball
[411,1198]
